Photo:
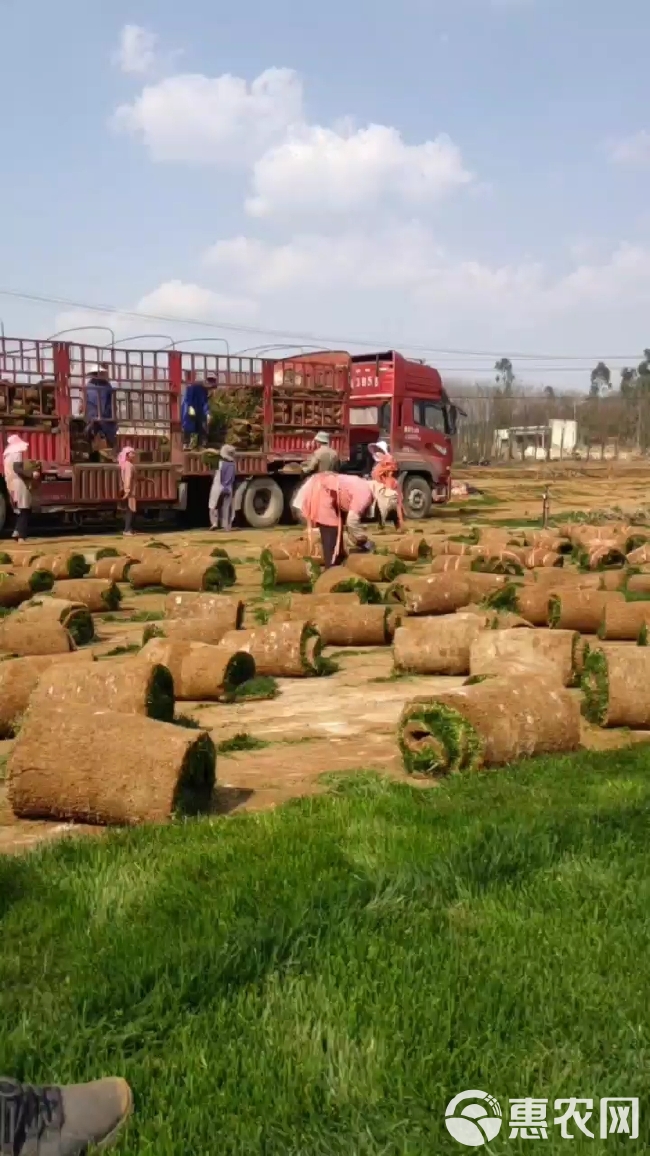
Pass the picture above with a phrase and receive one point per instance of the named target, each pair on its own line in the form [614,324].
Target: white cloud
[213,120]
[631,150]
[178,302]
[137,50]
[323,170]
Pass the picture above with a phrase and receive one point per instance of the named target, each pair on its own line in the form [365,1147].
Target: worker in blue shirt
[99,408]
[195,411]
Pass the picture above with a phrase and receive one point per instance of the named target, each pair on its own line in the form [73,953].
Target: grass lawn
[322,979]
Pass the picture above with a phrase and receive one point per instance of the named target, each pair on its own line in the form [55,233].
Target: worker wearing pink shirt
[334,502]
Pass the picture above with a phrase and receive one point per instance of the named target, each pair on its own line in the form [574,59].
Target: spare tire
[262,504]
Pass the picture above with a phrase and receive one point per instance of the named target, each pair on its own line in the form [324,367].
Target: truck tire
[262,504]
[417,497]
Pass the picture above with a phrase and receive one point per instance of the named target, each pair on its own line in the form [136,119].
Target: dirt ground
[346,722]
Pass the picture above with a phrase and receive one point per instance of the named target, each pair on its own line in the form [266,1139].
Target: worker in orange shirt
[384,472]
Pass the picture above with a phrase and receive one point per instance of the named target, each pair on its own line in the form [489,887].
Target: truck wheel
[417,497]
[263,503]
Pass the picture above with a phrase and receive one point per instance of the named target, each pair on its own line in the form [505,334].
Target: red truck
[283,402]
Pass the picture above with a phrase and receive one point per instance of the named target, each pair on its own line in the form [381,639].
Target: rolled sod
[107,552]
[455,549]
[581,610]
[201,672]
[602,556]
[148,572]
[147,772]
[195,604]
[532,603]
[19,678]
[98,594]
[480,585]
[616,685]
[636,584]
[376,567]
[548,541]
[282,650]
[208,628]
[640,556]
[287,572]
[451,563]
[351,624]
[115,569]
[301,547]
[74,616]
[258,689]
[25,636]
[437,594]
[340,580]
[490,723]
[613,579]
[495,651]
[436,645]
[625,622]
[127,686]
[412,548]
[65,565]
[18,588]
[307,603]
[552,577]
[541,558]
[208,576]
[506,562]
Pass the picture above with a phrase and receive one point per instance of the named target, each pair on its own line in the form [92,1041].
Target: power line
[374,343]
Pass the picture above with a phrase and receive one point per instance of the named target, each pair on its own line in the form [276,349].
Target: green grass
[323,977]
[243,741]
[131,648]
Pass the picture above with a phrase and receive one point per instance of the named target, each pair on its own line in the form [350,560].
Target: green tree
[601,380]
[505,376]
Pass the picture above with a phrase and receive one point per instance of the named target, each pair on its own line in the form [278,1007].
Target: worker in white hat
[324,458]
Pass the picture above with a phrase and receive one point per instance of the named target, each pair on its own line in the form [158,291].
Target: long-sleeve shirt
[322,461]
[196,398]
[99,400]
[332,496]
[227,475]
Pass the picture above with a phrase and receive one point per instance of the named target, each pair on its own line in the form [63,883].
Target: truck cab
[404,403]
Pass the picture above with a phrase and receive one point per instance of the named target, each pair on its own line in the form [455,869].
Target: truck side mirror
[453,420]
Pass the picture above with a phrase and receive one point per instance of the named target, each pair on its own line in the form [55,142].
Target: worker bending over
[335,504]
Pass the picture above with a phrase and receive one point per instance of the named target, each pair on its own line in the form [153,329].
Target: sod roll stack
[616,685]
[108,768]
[436,645]
[126,687]
[488,724]
[200,672]
[281,650]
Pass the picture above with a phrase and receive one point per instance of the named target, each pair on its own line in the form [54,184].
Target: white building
[555,440]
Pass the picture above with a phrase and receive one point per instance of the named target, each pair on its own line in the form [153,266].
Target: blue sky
[441,174]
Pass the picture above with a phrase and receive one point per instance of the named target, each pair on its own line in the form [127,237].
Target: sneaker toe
[94,1113]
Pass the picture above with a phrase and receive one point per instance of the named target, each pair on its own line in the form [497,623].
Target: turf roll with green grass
[148,571]
[488,724]
[19,678]
[207,575]
[24,635]
[293,572]
[350,624]
[412,548]
[68,564]
[201,673]
[258,689]
[98,594]
[108,768]
[506,562]
[107,552]
[576,609]
[452,563]
[340,580]
[19,587]
[76,617]
[495,652]
[439,645]
[126,685]
[376,567]
[616,685]
[115,569]
[436,594]
[281,650]
[540,558]
[625,621]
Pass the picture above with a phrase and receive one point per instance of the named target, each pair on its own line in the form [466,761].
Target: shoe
[55,1121]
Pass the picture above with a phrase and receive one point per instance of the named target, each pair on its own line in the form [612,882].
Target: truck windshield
[371,415]
[431,416]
